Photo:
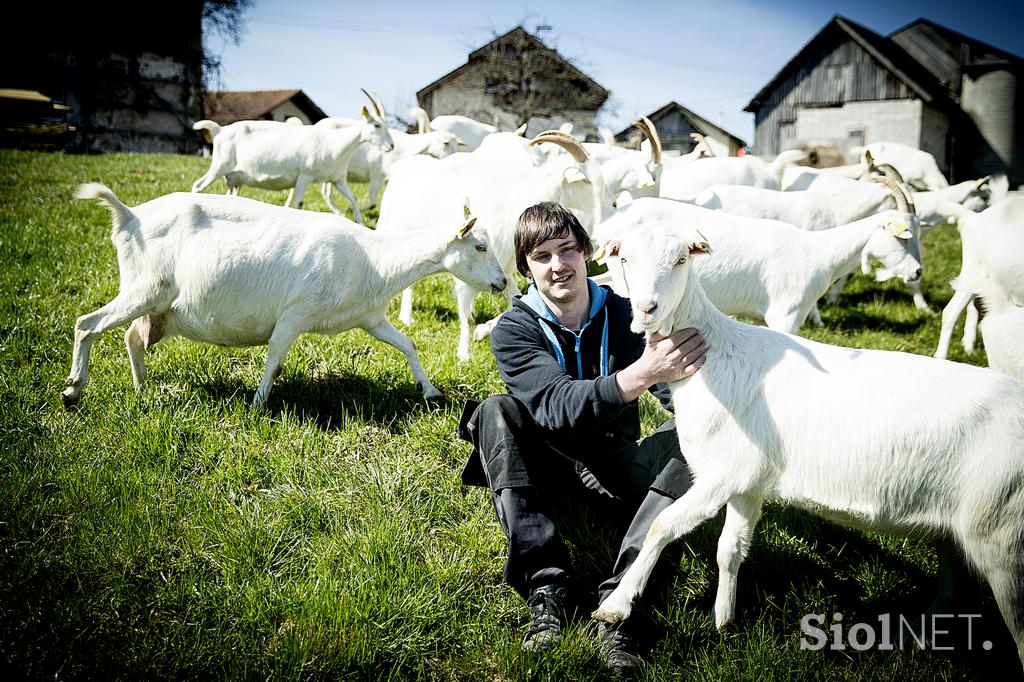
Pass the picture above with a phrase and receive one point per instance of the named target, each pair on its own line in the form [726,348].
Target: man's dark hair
[544,221]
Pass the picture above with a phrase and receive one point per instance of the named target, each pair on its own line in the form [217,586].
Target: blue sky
[711,57]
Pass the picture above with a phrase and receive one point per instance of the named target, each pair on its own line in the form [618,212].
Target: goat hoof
[610,616]
[69,398]
[430,393]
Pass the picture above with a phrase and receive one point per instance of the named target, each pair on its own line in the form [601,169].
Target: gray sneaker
[547,618]
[619,649]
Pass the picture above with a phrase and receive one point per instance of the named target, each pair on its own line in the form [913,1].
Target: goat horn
[380,114]
[889,171]
[981,182]
[566,142]
[377,97]
[560,133]
[646,126]
[900,192]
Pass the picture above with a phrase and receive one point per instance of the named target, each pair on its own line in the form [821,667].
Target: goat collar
[598,297]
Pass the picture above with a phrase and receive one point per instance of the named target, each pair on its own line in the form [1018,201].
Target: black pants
[529,476]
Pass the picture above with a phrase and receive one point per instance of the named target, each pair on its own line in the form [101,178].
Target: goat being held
[776,416]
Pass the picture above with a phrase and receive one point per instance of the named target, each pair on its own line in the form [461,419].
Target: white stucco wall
[893,120]
[466,96]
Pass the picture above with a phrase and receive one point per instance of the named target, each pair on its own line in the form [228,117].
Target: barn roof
[699,123]
[478,55]
[887,52]
[247,105]
[945,52]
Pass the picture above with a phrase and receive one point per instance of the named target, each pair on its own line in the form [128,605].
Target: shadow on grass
[800,564]
[331,401]
[846,317]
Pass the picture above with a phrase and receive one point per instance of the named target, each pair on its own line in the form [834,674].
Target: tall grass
[178,534]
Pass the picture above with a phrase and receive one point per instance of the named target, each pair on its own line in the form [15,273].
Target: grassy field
[178,534]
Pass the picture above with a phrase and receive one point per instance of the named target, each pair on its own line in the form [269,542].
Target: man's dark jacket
[566,379]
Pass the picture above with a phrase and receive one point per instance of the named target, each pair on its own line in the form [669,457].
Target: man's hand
[665,358]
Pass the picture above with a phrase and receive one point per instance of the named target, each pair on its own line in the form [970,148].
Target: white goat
[426,192]
[796,177]
[372,164]
[238,272]
[685,181]
[769,269]
[290,156]
[628,170]
[773,416]
[470,131]
[816,211]
[1002,325]
[212,129]
[635,172]
[918,167]
[992,244]
[806,210]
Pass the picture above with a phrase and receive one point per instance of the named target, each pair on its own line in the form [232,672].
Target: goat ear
[612,248]
[700,245]
[573,174]
[899,230]
[366,114]
[466,227]
[460,142]
[521,130]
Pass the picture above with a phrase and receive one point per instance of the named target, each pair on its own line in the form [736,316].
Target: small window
[856,137]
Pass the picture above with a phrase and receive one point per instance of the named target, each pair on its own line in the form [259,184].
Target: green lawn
[176,533]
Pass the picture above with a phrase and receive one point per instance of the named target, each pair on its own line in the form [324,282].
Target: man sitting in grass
[566,435]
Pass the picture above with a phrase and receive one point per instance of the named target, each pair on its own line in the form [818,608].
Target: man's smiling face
[559,269]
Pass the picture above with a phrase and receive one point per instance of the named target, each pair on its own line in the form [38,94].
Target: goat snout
[647,307]
[500,285]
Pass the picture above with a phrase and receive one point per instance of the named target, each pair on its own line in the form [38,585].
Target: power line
[345,25]
[630,52]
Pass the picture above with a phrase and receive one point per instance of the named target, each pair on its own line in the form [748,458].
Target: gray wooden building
[675,123]
[517,79]
[923,85]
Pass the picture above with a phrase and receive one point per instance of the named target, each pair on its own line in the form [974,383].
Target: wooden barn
[268,105]
[129,85]
[516,79]
[675,123]
[923,85]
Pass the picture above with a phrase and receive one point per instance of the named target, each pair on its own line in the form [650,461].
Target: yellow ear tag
[464,230]
[899,230]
